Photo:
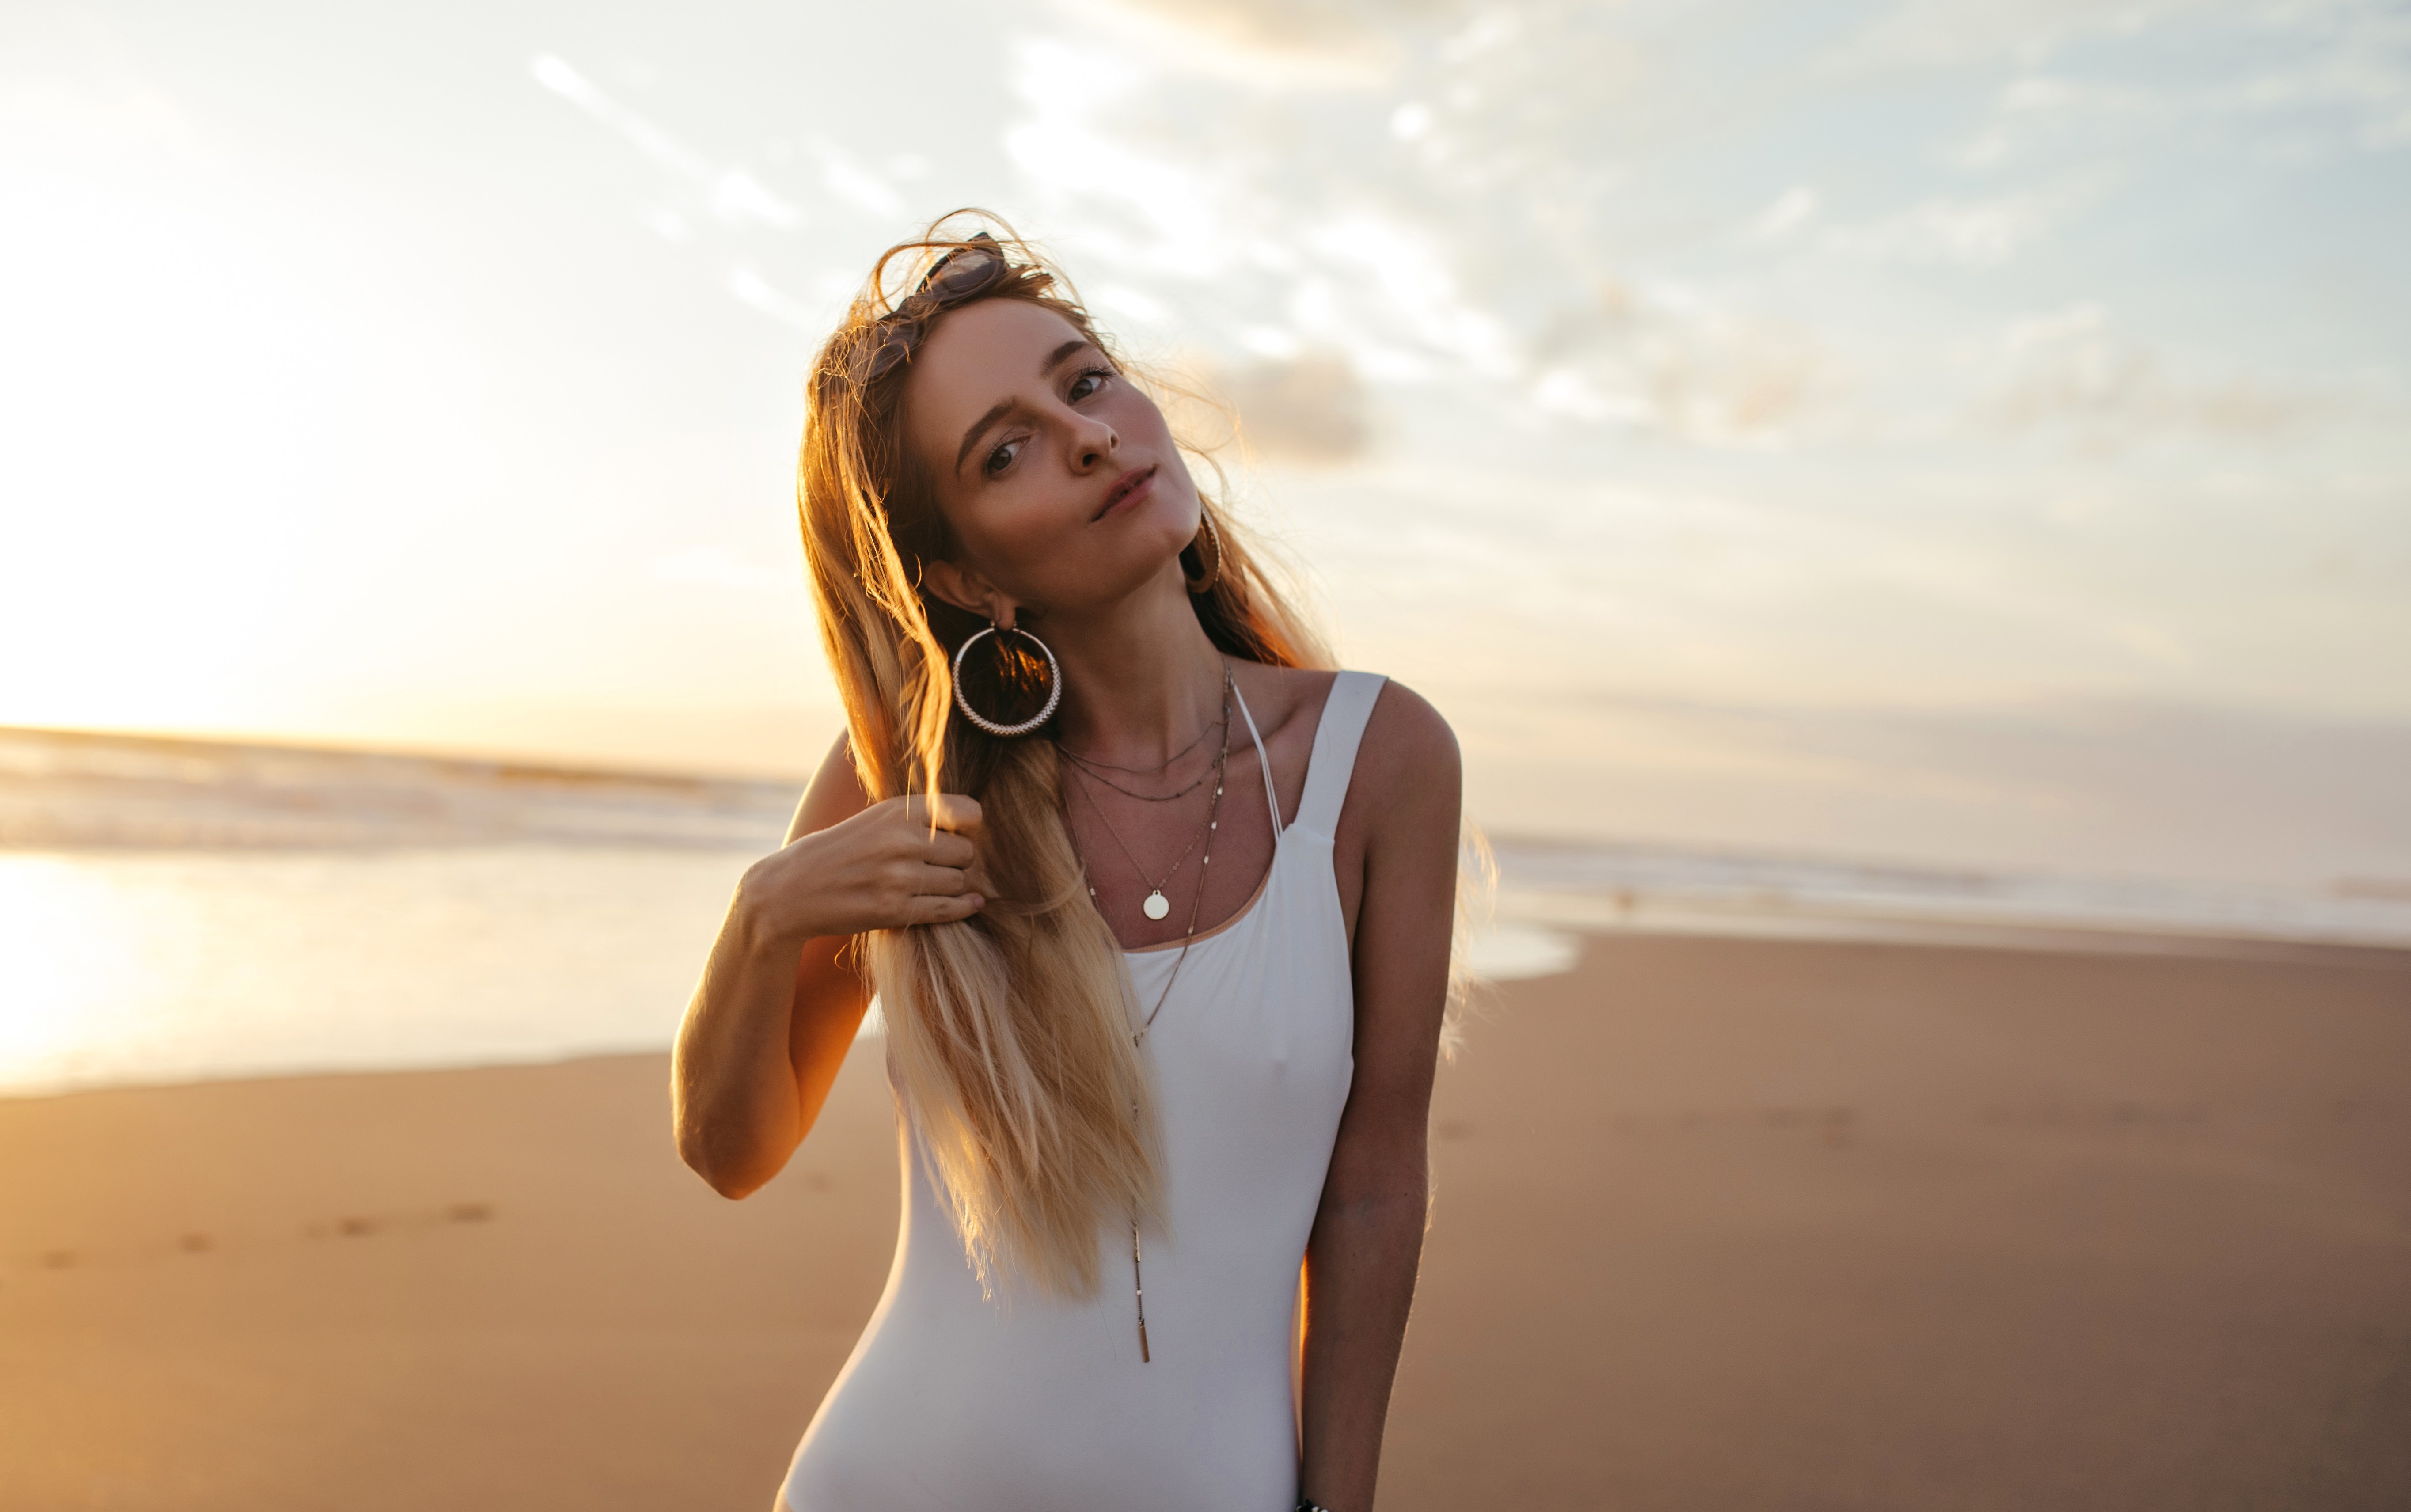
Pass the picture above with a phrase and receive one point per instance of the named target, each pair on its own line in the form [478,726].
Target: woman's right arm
[776,1008]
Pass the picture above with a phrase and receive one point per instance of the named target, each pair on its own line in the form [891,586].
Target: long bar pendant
[1138,1295]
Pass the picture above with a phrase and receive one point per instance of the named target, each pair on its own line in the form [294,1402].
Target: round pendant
[1156,905]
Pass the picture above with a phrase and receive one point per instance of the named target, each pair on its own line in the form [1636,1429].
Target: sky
[1939,429]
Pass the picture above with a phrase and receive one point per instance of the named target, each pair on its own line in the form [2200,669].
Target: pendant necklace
[1138,1279]
[1157,907]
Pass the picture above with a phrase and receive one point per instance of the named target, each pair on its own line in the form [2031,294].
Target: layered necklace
[1157,906]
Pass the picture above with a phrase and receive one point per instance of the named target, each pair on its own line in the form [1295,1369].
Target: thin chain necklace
[1187,937]
[1157,905]
[1150,797]
[1097,769]
[1142,771]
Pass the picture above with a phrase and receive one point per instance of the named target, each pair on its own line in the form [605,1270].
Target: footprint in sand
[361,1225]
[193,1242]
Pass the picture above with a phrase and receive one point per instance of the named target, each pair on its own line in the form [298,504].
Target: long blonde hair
[1010,1031]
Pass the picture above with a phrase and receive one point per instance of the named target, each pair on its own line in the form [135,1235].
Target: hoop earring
[1053,685]
[1207,544]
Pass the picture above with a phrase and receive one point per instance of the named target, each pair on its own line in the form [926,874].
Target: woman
[1159,912]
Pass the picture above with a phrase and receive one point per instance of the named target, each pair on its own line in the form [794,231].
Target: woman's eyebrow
[1002,407]
[1057,357]
[980,428]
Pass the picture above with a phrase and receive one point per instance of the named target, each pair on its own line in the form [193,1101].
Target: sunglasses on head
[963,273]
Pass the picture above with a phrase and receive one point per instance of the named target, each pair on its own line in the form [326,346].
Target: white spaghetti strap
[1335,738]
[1263,763]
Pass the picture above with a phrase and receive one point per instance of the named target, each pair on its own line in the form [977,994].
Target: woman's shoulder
[1408,747]
[1405,737]
[1407,787]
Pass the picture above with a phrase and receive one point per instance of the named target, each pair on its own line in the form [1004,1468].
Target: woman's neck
[1139,681]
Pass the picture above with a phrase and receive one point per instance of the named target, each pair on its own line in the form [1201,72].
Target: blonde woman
[1157,908]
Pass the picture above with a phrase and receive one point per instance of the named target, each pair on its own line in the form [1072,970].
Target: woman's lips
[1133,486]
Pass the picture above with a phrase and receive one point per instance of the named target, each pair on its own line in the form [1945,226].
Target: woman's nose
[1092,442]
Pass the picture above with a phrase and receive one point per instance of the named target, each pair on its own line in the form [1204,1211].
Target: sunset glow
[1914,376]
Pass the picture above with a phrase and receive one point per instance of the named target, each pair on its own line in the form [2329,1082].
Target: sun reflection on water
[143,966]
[69,961]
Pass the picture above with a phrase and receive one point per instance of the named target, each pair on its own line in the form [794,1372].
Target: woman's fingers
[908,860]
[943,881]
[947,811]
[903,861]
[932,909]
[949,849]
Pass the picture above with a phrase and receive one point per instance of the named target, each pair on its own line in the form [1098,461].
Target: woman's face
[1057,474]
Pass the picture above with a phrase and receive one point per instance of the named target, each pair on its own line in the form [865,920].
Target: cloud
[756,292]
[717,205]
[2069,373]
[1224,239]
[1964,233]
[1311,26]
[1311,410]
[1439,257]
[1352,37]
[2034,108]
[2363,70]
[854,183]
[1076,146]
[1676,360]
[732,194]
[1401,273]
[1792,209]
[2312,65]
[1463,221]
[1922,34]
[1748,383]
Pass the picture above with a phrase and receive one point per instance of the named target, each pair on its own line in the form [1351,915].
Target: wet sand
[1720,1225]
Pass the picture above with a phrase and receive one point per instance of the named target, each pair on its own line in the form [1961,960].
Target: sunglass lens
[966,272]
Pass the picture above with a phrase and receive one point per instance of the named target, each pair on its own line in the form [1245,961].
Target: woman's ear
[968,591]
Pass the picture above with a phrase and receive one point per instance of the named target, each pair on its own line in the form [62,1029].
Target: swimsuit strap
[1345,713]
[1264,763]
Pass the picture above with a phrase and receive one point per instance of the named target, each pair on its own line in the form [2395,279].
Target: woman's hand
[905,861]
[780,1000]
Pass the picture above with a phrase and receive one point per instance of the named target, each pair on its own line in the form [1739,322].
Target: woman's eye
[1002,458]
[1088,383]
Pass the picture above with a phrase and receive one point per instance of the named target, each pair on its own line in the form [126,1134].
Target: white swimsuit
[1031,1403]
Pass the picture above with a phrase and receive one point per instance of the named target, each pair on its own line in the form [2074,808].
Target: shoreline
[1586,915]
[1569,924]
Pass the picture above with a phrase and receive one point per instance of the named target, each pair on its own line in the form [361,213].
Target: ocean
[173,910]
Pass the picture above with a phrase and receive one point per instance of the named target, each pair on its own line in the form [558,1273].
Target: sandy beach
[1720,1225]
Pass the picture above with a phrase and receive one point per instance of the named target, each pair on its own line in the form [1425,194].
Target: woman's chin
[1173,509]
